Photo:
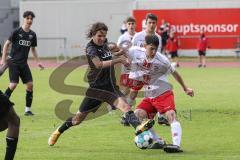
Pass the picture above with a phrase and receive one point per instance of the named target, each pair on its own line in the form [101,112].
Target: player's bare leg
[130,100]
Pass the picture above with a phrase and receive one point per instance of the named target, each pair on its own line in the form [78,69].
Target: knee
[30,86]
[171,116]
[12,86]
[17,121]
[126,107]
[141,114]
[78,118]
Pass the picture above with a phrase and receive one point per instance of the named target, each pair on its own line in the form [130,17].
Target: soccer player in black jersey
[22,39]
[102,84]
[9,120]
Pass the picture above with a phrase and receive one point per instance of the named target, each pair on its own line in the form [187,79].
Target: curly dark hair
[98,26]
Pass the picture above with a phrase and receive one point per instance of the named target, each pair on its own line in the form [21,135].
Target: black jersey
[104,76]
[21,43]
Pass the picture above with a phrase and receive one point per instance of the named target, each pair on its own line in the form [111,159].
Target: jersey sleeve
[91,52]
[119,40]
[34,41]
[12,37]
[171,68]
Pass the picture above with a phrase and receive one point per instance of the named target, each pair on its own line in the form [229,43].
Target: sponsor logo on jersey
[20,35]
[25,43]
[106,55]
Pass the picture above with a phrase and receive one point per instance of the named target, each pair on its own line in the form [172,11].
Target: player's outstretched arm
[35,55]
[104,64]
[179,79]
[5,52]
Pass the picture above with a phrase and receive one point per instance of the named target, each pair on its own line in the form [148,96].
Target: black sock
[8,92]
[67,124]
[11,148]
[132,119]
[29,98]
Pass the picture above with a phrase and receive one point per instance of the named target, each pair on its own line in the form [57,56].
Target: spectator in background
[123,28]
[172,47]
[202,46]
[164,32]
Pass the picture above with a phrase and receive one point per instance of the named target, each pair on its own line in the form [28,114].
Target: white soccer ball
[144,140]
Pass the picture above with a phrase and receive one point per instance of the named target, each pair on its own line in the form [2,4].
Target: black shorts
[174,54]
[5,105]
[96,96]
[202,53]
[20,70]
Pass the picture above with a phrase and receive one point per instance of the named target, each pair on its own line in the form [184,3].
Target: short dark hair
[130,19]
[28,13]
[152,39]
[98,26]
[151,16]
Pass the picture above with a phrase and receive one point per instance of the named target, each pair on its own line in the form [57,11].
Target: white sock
[27,109]
[155,136]
[176,130]
[130,101]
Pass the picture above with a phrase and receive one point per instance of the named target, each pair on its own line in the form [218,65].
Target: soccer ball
[144,140]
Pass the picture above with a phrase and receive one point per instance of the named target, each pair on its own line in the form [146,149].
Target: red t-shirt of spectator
[202,44]
[172,45]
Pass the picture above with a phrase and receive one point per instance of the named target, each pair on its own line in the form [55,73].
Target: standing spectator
[164,32]
[172,47]
[202,46]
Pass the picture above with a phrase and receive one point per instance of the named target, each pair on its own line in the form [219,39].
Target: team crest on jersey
[30,36]
[146,64]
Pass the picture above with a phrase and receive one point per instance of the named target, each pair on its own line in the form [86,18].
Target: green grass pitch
[210,133]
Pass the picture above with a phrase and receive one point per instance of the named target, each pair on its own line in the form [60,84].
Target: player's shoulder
[32,32]
[157,35]
[140,34]
[136,50]
[121,36]
[161,57]
[90,48]
[17,30]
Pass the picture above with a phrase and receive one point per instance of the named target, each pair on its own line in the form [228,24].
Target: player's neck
[149,58]
[150,32]
[26,28]
[131,33]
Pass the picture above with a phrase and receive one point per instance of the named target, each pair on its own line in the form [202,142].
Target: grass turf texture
[211,134]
